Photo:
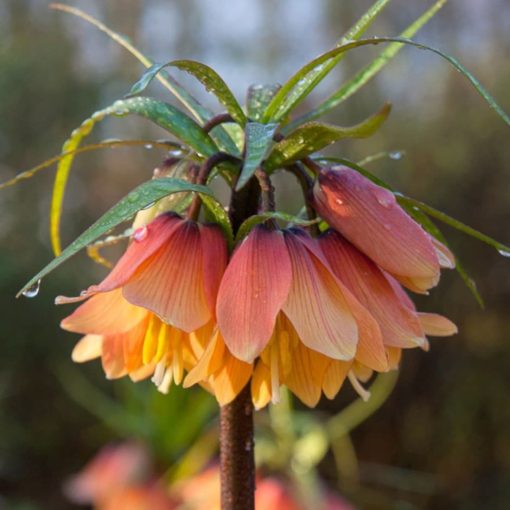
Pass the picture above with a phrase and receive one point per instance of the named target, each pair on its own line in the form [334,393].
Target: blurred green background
[443,438]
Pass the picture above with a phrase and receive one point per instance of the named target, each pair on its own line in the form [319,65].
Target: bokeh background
[442,440]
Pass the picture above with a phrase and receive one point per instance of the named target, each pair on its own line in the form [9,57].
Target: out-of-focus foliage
[443,438]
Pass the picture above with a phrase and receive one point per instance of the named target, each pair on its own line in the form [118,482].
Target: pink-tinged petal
[156,235]
[400,292]
[394,357]
[104,314]
[399,325]
[88,348]
[316,305]
[252,292]
[215,257]
[171,282]
[436,325]
[370,218]
[113,356]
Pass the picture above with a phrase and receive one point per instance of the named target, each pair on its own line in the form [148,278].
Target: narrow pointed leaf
[314,136]
[200,113]
[211,80]
[105,144]
[284,101]
[220,216]
[258,140]
[458,225]
[140,197]
[432,229]
[163,114]
[258,98]
[370,70]
[319,73]
[252,221]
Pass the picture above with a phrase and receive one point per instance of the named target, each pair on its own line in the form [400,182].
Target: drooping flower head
[140,317]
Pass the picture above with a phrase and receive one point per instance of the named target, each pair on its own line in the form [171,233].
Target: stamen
[177,359]
[150,340]
[358,388]
[159,373]
[275,373]
[165,384]
[163,341]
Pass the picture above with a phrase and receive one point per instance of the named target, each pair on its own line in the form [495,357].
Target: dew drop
[148,146]
[396,155]
[339,201]
[32,291]
[384,197]
[148,206]
[140,234]
[133,197]
[505,253]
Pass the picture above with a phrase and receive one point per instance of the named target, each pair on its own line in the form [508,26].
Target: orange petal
[105,314]
[334,377]
[436,325]
[252,292]
[261,385]
[399,325]
[113,356]
[210,362]
[215,255]
[394,357]
[133,346]
[307,374]
[171,283]
[316,305]
[88,348]
[156,234]
[231,379]
[370,218]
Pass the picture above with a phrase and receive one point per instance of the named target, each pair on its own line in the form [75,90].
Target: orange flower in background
[369,217]
[139,320]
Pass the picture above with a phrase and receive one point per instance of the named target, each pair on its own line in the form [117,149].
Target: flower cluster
[287,308]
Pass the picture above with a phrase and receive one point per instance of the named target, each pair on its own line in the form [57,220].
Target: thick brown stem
[237,453]
[237,462]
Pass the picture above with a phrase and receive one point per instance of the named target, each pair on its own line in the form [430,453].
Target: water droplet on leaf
[396,155]
[505,253]
[32,291]
[148,145]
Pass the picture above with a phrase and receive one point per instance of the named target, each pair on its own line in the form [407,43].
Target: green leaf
[313,136]
[200,113]
[105,144]
[258,98]
[217,211]
[369,71]
[458,225]
[252,221]
[211,80]
[284,100]
[163,114]
[318,74]
[258,141]
[142,196]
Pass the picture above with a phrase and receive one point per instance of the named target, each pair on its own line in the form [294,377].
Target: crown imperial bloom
[371,219]
[141,317]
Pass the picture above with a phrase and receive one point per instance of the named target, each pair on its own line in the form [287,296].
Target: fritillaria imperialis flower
[140,318]
[370,218]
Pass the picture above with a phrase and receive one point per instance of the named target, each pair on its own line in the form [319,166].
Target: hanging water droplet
[33,290]
[396,155]
[505,253]
[140,234]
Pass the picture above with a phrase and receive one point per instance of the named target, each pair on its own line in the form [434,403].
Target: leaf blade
[140,197]
[314,136]
[258,142]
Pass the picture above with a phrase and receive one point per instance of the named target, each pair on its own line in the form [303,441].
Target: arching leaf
[211,80]
[292,91]
[142,196]
[163,114]
[314,136]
